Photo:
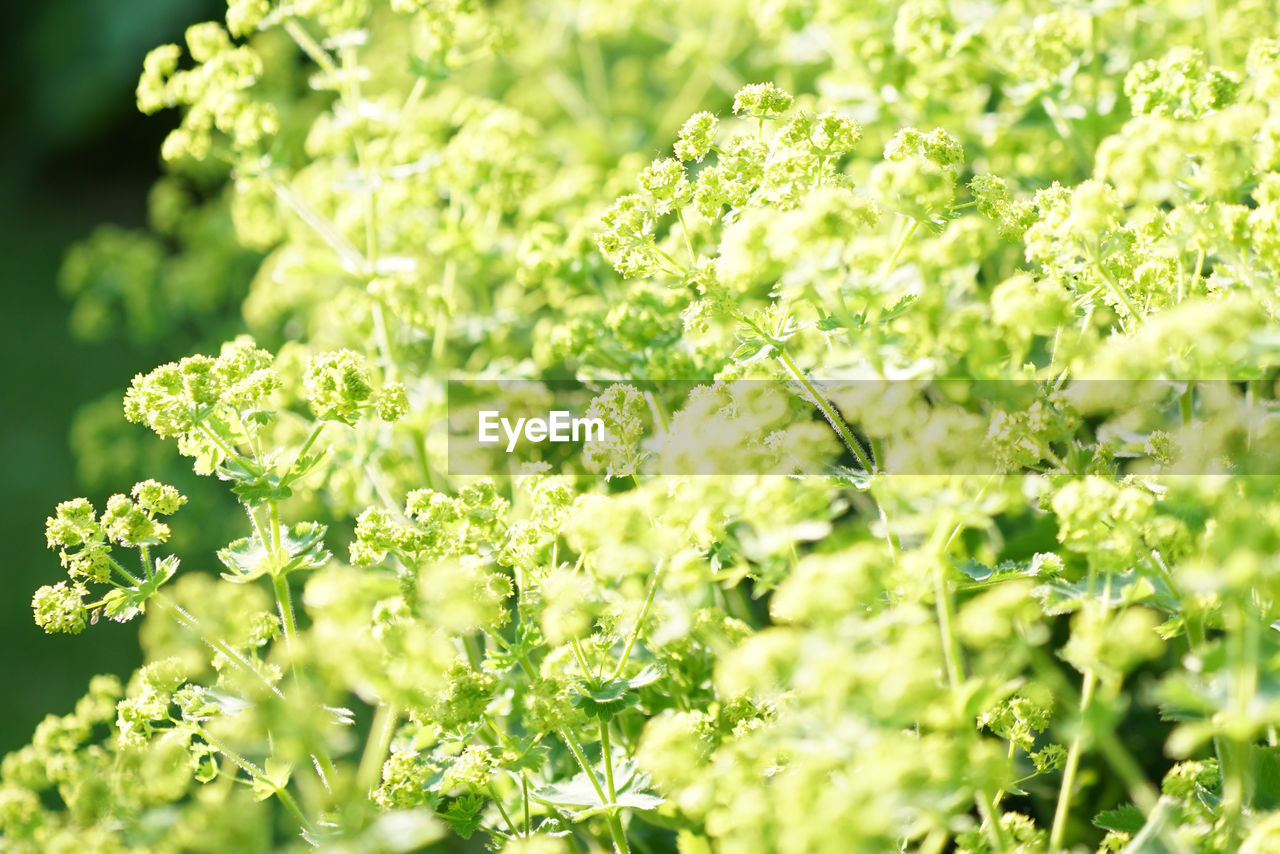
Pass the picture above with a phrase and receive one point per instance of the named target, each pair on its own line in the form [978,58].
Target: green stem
[349,256]
[133,580]
[351,96]
[415,95]
[302,452]
[581,656]
[1141,792]
[385,718]
[688,244]
[1114,286]
[524,787]
[576,750]
[285,601]
[594,74]
[990,813]
[448,284]
[828,411]
[897,250]
[1063,809]
[945,608]
[1236,757]
[258,529]
[659,412]
[606,754]
[679,269]
[275,525]
[1213,30]
[190,623]
[999,796]
[258,774]
[310,46]
[953,658]
[644,612]
[230,452]
[324,765]
[619,835]
[497,801]
[615,821]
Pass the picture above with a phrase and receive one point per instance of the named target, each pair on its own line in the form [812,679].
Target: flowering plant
[1067,651]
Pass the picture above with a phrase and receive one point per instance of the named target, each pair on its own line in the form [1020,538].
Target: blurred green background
[76,154]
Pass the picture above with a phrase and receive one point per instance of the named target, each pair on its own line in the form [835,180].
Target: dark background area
[76,154]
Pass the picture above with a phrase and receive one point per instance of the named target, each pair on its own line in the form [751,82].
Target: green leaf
[252,487]
[1127,588]
[632,787]
[606,692]
[1148,840]
[246,558]
[120,605]
[1123,819]
[275,778]
[575,792]
[899,308]
[261,490]
[229,705]
[530,754]
[752,349]
[640,800]
[124,603]
[464,814]
[304,466]
[606,699]
[232,470]
[304,543]
[857,478]
[206,764]
[650,674]
[301,547]
[1030,568]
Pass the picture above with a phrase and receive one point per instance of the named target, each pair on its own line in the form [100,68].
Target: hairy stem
[258,774]
[284,600]
[828,411]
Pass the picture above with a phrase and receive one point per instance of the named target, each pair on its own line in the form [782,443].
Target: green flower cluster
[84,541]
[1040,242]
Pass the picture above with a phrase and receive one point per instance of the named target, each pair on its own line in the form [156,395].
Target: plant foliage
[1066,654]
